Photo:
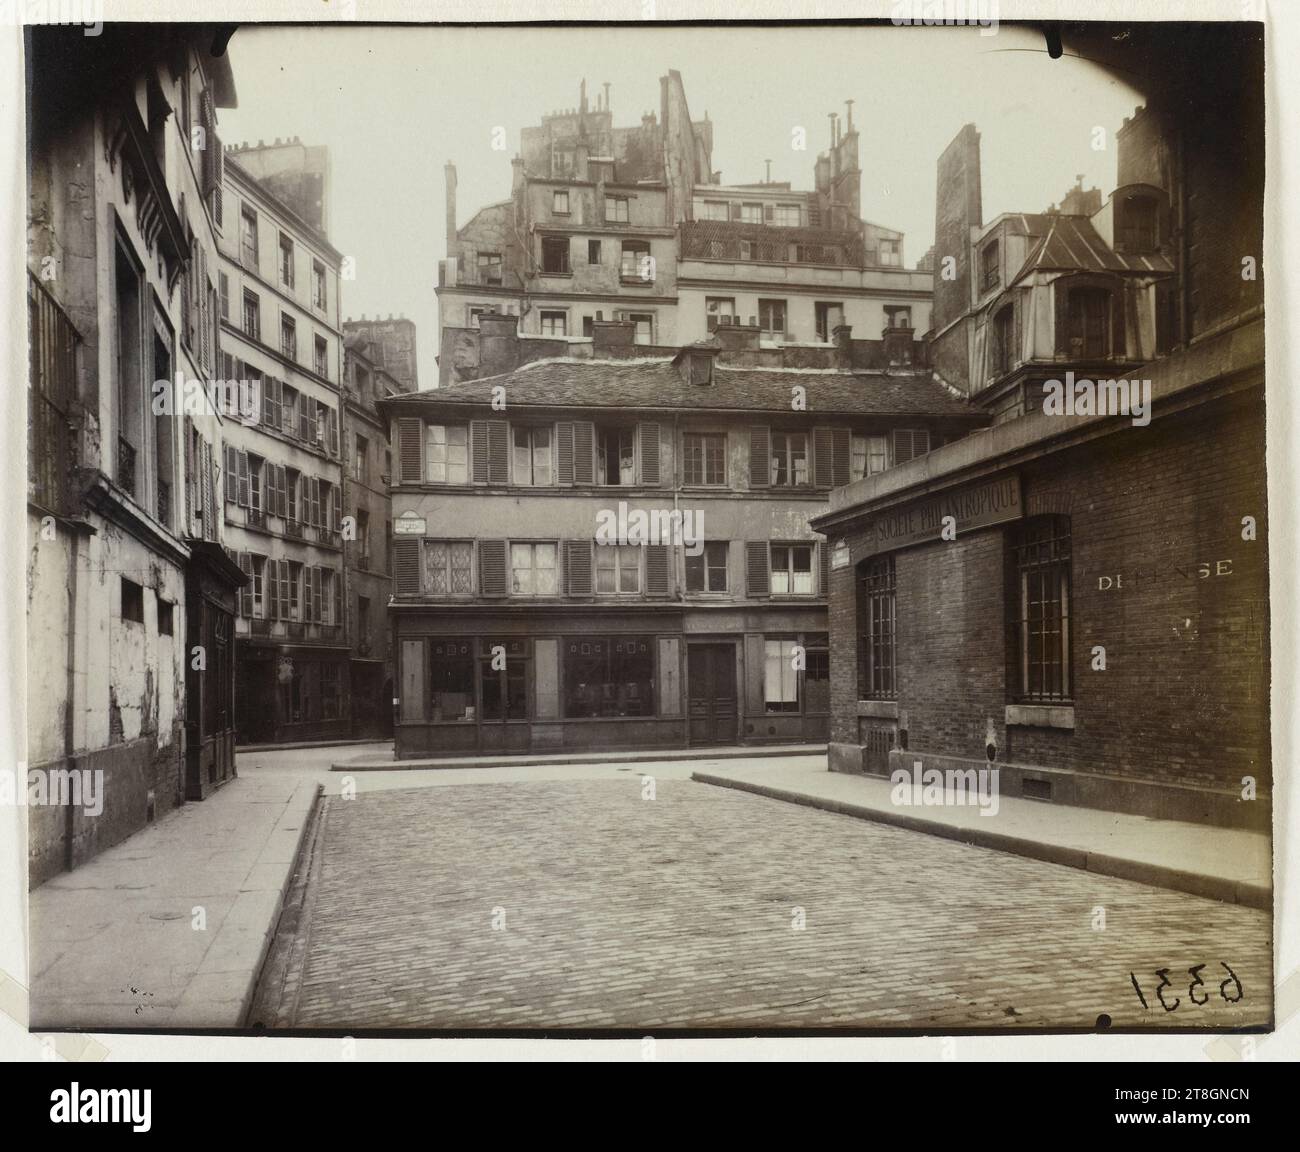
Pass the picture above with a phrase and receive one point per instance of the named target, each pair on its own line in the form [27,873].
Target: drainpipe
[69,738]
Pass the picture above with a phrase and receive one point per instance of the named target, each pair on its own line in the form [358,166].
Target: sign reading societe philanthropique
[957,512]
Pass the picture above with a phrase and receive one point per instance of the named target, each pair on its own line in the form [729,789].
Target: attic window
[701,368]
[990,272]
[1137,227]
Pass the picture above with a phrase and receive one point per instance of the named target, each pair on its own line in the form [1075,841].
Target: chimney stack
[449,170]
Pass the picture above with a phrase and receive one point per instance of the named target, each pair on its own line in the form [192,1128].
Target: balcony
[255,518]
[293,528]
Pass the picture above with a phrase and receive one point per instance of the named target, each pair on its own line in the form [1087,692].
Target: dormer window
[990,270]
[1137,224]
[700,367]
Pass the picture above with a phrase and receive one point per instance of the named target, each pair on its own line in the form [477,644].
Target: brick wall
[1184,696]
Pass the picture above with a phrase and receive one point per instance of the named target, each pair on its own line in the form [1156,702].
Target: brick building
[633,224]
[126,576]
[283,497]
[1098,626]
[521,623]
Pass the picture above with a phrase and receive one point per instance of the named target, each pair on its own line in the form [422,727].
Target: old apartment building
[633,224]
[368,547]
[126,573]
[534,609]
[1096,622]
[283,477]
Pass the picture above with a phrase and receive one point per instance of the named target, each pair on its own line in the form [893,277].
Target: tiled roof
[657,384]
[1072,243]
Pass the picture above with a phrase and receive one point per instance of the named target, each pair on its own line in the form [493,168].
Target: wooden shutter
[498,448]
[206,502]
[406,565]
[337,499]
[760,455]
[492,567]
[271,589]
[823,458]
[584,441]
[823,569]
[841,446]
[244,487]
[478,451]
[304,403]
[564,452]
[246,592]
[656,570]
[910,443]
[337,581]
[317,588]
[284,589]
[648,437]
[577,567]
[268,401]
[758,581]
[232,475]
[410,437]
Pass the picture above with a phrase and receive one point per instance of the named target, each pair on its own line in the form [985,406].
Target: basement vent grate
[1036,789]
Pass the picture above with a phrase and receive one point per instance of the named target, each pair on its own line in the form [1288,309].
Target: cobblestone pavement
[583,905]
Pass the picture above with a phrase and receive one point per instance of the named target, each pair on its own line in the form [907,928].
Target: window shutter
[823,458]
[268,401]
[317,588]
[823,569]
[406,565]
[656,570]
[284,589]
[840,445]
[760,453]
[498,438]
[271,593]
[758,581]
[478,451]
[410,432]
[338,596]
[243,479]
[281,492]
[903,448]
[584,438]
[564,452]
[303,404]
[232,475]
[246,592]
[577,567]
[492,567]
[337,519]
[648,435]
[209,528]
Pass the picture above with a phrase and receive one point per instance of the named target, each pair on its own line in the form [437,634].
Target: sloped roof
[1071,243]
[657,384]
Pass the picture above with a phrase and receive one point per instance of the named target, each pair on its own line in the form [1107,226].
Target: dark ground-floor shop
[286,693]
[483,681]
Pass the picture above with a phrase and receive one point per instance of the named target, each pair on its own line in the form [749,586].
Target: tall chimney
[606,95]
[848,115]
[449,170]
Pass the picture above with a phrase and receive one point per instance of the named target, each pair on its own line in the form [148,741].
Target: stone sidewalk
[386,762]
[1228,864]
[169,928]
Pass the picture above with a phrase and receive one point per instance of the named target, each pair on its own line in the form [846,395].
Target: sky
[395,104]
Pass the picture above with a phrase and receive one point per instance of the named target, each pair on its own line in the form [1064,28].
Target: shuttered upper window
[447,452]
[618,568]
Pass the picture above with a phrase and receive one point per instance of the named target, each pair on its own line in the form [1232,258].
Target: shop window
[504,691]
[451,676]
[608,676]
[780,676]
[330,698]
[876,617]
[1039,609]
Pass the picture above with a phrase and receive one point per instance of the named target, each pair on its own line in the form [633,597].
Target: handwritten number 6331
[1197,991]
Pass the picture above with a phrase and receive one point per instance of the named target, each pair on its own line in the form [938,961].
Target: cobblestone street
[580,904]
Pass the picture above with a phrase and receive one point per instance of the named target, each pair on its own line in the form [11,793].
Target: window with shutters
[533,569]
[555,255]
[449,567]
[618,569]
[288,337]
[532,464]
[704,458]
[789,459]
[876,616]
[447,453]
[291,494]
[910,443]
[252,315]
[791,571]
[868,455]
[616,456]
[256,492]
[707,572]
[609,676]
